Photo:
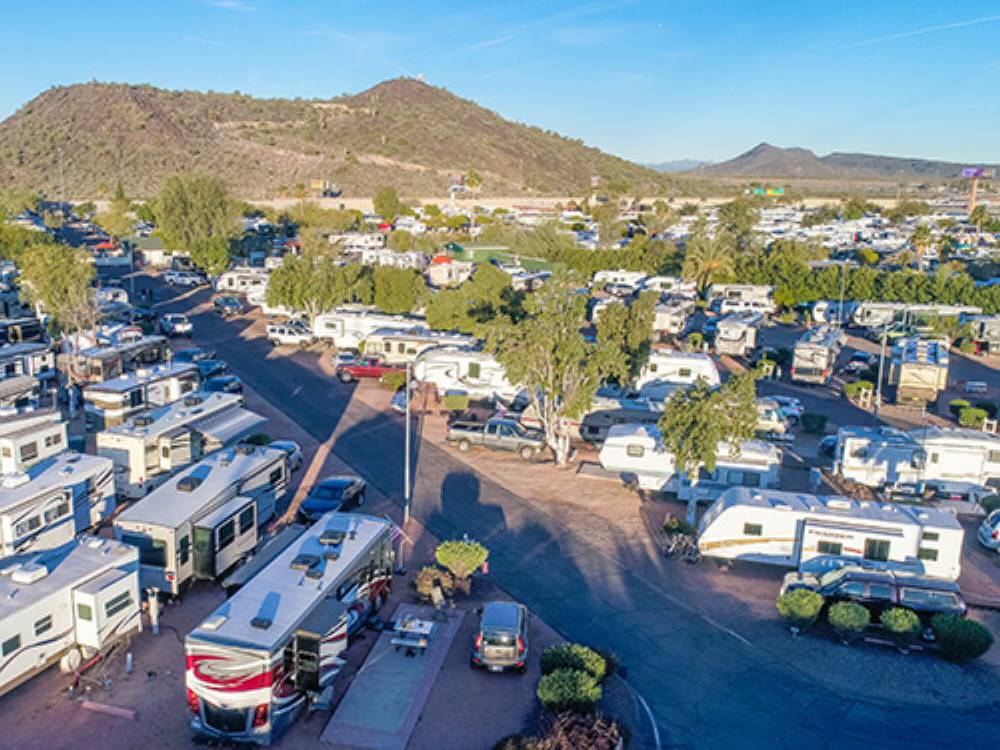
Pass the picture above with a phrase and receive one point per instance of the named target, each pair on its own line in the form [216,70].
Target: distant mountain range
[679,165]
[765,160]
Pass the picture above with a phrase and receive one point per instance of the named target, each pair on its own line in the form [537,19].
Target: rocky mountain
[679,165]
[79,140]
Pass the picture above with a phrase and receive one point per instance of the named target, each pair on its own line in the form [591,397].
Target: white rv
[667,370]
[632,279]
[877,314]
[397,346]
[878,456]
[19,394]
[30,358]
[791,528]
[918,370]
[112,402]
[669,319]
[151,446]
[65,605]
[202,522]
[256,662]
[959,455]
[670,285]
[722,292]
[347,327]
[604,413]
[26,439]
[827,312]
[815,355]
[736,334]
[637,452]
[246,281]
[467,370]
[54,500]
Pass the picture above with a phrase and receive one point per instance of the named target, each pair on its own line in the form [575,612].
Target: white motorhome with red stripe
[253,664]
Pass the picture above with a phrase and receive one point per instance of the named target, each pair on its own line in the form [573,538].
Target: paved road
[707,686]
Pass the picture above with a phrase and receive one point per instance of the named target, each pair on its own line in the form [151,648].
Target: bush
[961,639]
[848,620]
[855,390]
[569,690]
[989,407]
[393,381]
[972,417]
[259,438]
[461,558]
[956,405]
[673,525]
[902,624]
[694,341]
[517,742]
[568,730]
[814,424]
[456,401]
[990,503]
[800,607]
[431,576]
[574,656]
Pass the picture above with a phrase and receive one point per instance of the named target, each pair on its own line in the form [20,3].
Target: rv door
[175,449]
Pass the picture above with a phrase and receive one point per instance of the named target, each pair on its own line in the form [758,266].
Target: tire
[526,452]
[346,377]
[464,446]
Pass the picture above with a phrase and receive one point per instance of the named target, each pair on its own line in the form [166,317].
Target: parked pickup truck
[289,334]
[364,367]
[497,434]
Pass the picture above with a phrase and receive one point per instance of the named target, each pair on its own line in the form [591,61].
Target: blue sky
[647,79]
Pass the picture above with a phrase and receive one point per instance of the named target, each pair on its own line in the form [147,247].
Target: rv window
[877,549]
[57,512]
[684,372]
[930,536]
[635,451]
[851,588]
[51,440]
[227,533]
[187,386]
[275,476]
[84,612]
[934,458]
[135,398]
[151,551]
[246,519]
[879,591]
[6,452]
[29,451]
[27,526]
[116,604]
[11,645]
[185,549]
[744,478]
[401,347]
[829,548]
[752,529]
[652,368]
[928,554]
[43,625]
[474,370]
[993,457]
[861,452]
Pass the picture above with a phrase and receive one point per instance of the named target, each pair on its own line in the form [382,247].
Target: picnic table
[414,634]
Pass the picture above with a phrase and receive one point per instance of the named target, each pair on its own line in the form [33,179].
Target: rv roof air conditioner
[837,503]
[188,484]
[304,561]
[192,400]
[14,480]
[143,420]
[29,573]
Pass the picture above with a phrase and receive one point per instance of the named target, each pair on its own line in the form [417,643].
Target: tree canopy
[59,277]
[191,207]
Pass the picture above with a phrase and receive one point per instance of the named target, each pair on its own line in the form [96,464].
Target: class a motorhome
[257,661]
[205,520]
[112,402]
[728,298]
[792,528]
[54,500]
[26,439]
[878,456]
[636,451]
[31,358]
[151,446]
[467,370]
[246,281]
[667,370]
[347,327]
[877,314]
[815,355]
[397,346]
[918,370]
[66,605]
[736,334]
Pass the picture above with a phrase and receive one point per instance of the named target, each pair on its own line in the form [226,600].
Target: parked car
[497,434]
[292,333]
[192,354]
[989,531]
[223,383]
[340,493]
[501,640]
[175,324]
[209,368]
[183,278]
[228,305]
[292,450]
[143,314]
[344,357]
[790,407]
[976,388]
[365,367]
[828,445]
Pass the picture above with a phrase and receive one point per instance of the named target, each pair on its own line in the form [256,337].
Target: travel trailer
[878,456]
[636,451]
[65,605]
[669,319]
[19,394]
[247,281]
[792,528]
[670,285]
[604,412]
[397,346]
[54,500]
[877,314]
[718,294]
[736,334]
[102,363]
[467,370]
[258,660]
[206,520]
[19,330]
[959,455]
[151,446]
[26,439]
[32,358]
[631,279]
[667,370]
[112,402]
[985,333]
[918,370]
[347,327]
[827,312]
[815,355]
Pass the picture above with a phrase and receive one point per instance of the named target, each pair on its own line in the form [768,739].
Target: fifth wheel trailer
[792,528]
[815,355]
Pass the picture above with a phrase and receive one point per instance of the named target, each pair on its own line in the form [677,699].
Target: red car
[365,367]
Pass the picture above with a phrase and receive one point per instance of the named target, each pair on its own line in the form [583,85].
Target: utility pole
[878,385]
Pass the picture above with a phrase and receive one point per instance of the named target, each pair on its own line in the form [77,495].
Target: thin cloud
[229,4]
[921,32]
[201,40]
[488,43]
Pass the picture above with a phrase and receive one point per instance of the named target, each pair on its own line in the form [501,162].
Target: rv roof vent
[192,401]
[332,536]
[143,420]
[304,561]
[14,479]
[214,622]
[143,372]
[261,623]
[781,505]
[188,484]
[838,503]
[923,516]
[29,573]
[314,572]
[243,449]
[66,471]
[94,542]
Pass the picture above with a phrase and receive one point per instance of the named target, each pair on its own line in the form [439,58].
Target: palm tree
[921,240]
[708,259]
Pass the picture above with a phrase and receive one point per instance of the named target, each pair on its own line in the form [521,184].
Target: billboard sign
[973,172]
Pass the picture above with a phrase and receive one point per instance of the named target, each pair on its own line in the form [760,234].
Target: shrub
[902,624]
[989,407]
[574,656]
[431,576]
[800,607]
[694,341]
[990,503]
[855,390]
[569,690]
[961,639]
[848,620]
[259,438]
[814,424]
[456,401]
[956,405]
[972,417]
[517,742]
[461,558]
[569,730]
[674,525]
[393,381]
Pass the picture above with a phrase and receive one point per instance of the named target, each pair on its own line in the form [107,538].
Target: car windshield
[329,492]
[831,576]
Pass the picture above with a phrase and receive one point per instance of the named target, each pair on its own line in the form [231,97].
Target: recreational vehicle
[878,457]
[256,662]
[918,370]
[815,355]
[246,281]
[636,451]
[959,455]
[19,330]
[669,319]
[102,363]
[112,402]
[877,314]
[19,394]
[151,446]
[396,346]
[631,279]
[32,358]
[670,285]
[792,528]
[65,605]
[204,521]
[986,333]
[736,334]
[719,293]
[54,500]
[347,327]
[604,413]
[26,439]
[827,312]
[667,370]
[467,370]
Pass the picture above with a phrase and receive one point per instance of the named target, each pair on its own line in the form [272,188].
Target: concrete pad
[388,693]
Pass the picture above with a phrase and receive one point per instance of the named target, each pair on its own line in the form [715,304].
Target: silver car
[501,641]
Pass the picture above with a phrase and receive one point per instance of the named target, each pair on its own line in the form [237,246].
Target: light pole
[407,493]
[878,386]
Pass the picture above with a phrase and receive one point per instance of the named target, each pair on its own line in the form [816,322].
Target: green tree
[195,206]
[210,254]
[15,201]
[627,332]
[707,259]
[397,289]
[60,278]
[473,180]
[980,217]
[605,215]
[85,210]
[737,218]
[387,204]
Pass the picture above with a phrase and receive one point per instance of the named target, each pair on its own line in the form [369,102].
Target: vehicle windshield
[328,492]
[831,576]
[499,638]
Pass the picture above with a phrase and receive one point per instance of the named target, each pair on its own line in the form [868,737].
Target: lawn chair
[441,604]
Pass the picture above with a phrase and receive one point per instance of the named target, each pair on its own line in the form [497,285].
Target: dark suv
[502,638]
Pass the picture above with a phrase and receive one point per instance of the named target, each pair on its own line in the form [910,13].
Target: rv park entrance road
[707,686]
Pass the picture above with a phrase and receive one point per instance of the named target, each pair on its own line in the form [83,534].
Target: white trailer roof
[55,472]
[750,450]
[283,595]
[142,376]
[912,351]
[155,422]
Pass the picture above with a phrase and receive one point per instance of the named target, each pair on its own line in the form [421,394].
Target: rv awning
[17,386]
[225,428]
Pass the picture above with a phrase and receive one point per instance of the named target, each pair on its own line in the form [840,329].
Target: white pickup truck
[289,334]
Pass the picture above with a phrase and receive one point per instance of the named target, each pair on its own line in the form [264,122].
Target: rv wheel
[345,377]
[527,452]
[464,446]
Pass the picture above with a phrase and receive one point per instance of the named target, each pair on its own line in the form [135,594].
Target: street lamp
[407,453]
[881,367]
